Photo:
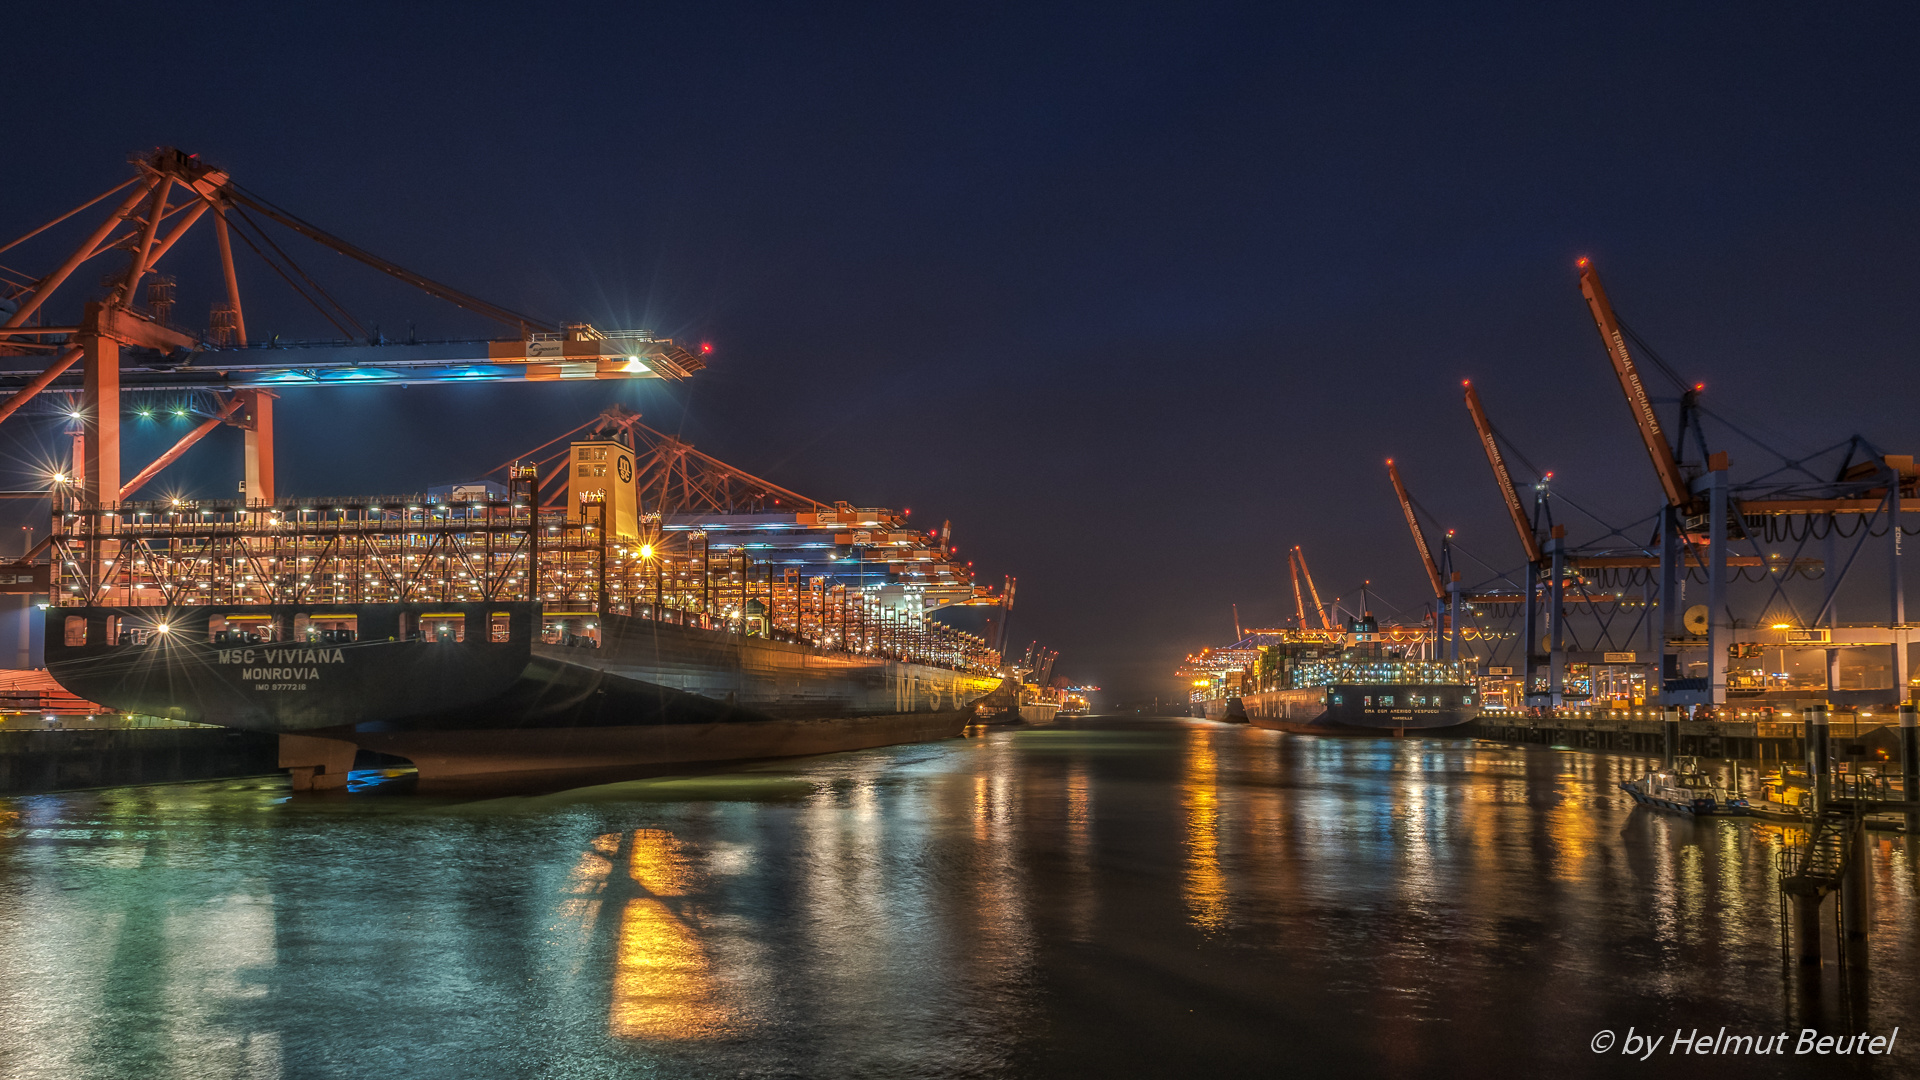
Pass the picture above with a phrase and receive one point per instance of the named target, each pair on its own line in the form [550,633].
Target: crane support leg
[1557,623]
[1453,620]
[1899,596]
[257,418]
[1669,600]
[100,415]
[1717,628]
[1529,633]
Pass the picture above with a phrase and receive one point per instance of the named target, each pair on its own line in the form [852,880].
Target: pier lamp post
[647,560]
[706,578]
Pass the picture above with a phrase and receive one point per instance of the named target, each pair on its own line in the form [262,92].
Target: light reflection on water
[1096,898]
[663,984]
[1206,885]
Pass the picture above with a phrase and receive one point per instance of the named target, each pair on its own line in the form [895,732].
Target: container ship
[594,617]
[1360,681]
[1218,673]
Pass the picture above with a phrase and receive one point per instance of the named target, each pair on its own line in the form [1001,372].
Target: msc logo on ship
[625,469]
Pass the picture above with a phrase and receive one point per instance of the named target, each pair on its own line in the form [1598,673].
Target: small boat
[1684,789]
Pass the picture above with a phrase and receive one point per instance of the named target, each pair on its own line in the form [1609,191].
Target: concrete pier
[1668,737]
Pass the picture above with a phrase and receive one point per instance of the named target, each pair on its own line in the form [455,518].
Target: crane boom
[1299,602]
[1508,493]
[1664,464]
[1419,538]
[1326,621]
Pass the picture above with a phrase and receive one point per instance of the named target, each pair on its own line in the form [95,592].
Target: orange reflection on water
[1081,899]
[657,864]
[1079,812]
[588,878]
[1205,887]
[663,985]
[982,808]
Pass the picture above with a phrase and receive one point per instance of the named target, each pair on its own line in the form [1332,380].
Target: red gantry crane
[1508,493]
[117,342]
[1665,465]
[1299,600]
[1326,620]
[1419,537]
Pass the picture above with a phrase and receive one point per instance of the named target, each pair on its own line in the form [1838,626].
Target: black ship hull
[1226,710]
[1362,709]
[500,701]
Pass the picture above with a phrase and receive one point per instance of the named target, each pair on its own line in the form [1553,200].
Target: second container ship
[1359,681]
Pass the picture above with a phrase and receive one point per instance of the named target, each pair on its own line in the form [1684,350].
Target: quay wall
[1742,741]
[66,759]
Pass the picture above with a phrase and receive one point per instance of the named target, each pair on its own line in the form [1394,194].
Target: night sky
[1137,296]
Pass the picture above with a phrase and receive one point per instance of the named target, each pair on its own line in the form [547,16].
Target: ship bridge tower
[600,470]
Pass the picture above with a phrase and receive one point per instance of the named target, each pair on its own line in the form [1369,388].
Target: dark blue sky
[1137,296]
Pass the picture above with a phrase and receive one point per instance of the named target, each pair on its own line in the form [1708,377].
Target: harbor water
[1101,897]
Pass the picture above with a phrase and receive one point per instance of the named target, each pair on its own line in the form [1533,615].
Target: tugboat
[1684,789]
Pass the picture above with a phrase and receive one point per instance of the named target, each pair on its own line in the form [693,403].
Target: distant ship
[1358,682]
[1225,708]
[1039,704]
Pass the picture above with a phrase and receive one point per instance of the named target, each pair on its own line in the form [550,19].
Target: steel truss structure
[673,479]
[336,553]
[1724,571]
[121,343]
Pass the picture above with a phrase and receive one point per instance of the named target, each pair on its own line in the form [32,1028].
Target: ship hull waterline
[1363,709]
[500,702]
